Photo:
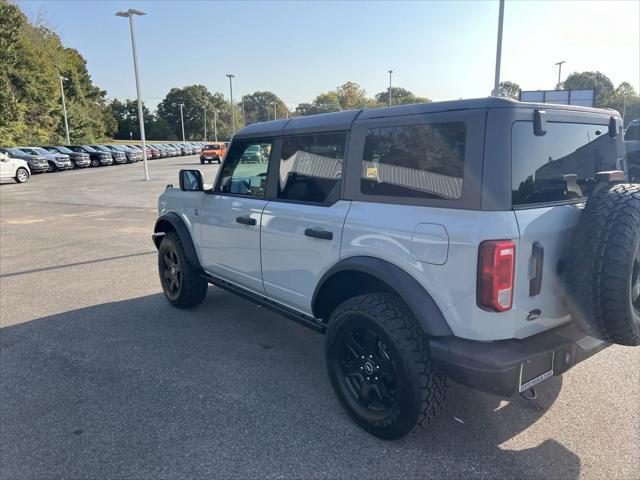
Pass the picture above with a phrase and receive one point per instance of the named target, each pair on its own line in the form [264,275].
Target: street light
[182,121]
[130,14]
[230,76]
[275,111]
[64,109]
[390,73]
[559,64]
[215,124]
[205,122]
[496,82]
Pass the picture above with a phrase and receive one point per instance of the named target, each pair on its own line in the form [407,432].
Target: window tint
[244,171]
[632,133]
[560,165]
[311,167]
[424,161]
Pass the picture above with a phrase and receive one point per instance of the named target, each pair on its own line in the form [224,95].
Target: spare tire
[603,268]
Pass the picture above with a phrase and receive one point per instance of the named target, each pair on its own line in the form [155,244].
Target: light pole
[205,122]
[496,82]
[559,64]
[130,13]
[390,73]
[275,111]
[215,124]
[64,109]
[244,116]
[182,121]
[233,110]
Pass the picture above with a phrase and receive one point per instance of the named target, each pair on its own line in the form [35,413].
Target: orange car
[213,152]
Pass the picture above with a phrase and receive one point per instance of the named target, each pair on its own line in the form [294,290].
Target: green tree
[194,98]
[598,81]
[346,97]
[258,107]
[399,96]
[509,89]
[625,100]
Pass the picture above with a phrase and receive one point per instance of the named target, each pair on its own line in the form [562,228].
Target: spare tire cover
[603,268]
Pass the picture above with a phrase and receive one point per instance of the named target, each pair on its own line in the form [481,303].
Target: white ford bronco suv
[490,241]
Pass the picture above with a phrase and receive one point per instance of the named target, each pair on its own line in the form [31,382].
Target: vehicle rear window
[420,160]
[212,147]
[632,134]
[311,167]
[560,165]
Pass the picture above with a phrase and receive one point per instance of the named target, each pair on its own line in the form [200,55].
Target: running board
[306,320]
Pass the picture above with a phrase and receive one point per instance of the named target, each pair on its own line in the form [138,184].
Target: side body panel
[292,262]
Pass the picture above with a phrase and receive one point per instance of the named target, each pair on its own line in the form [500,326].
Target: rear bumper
[496,367]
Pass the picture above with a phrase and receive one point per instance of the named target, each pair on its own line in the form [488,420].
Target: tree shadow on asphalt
[138,389]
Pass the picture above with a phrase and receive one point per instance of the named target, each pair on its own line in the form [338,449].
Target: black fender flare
[181,229]
[403,284]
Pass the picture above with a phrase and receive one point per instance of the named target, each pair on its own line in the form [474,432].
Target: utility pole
[205,122]
[275,112]
[64,109]
[215,124]
[182,121]
[130,14]
[233,110]
[496,82]
[390,73]
[559,64]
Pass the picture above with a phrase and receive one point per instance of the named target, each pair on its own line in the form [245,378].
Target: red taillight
[496,267]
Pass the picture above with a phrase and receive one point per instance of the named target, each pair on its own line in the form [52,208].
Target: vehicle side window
[244,171]
[560,165]
[632,134]
[311,167]
[420,160]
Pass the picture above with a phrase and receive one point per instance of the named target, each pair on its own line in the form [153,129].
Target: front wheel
[22,175]
[379,366]
[181,282]
[52,167]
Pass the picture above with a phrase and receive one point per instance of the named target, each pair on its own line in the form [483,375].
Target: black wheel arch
[171,222]
[361,274]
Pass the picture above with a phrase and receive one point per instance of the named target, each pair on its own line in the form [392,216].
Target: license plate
[535,370]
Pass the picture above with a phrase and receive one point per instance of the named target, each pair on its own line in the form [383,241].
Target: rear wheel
[181,282]
[378,362]
[22,175]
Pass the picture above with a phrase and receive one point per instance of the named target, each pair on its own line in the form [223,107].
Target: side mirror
[191,181]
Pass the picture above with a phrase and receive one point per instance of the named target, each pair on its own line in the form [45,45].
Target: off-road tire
[420,389]
[193,288]
[22,175]
[602,265]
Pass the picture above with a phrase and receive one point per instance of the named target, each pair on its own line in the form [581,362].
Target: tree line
[33,58]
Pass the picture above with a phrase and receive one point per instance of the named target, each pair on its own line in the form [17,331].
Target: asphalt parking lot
[100,377]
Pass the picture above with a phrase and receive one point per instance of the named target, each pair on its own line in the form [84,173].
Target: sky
[298,49]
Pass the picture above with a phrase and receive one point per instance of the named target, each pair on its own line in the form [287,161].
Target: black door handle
[323,234]
[535,284]
[246,220]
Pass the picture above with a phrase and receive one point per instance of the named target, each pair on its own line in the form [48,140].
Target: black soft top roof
[343,120]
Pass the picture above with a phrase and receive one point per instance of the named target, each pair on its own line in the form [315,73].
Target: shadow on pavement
[138,389]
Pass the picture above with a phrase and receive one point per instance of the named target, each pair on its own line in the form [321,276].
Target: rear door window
[561,165]
[420,160]
[311,167]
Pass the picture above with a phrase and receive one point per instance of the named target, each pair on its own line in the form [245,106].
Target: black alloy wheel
[171,273]
[368,372]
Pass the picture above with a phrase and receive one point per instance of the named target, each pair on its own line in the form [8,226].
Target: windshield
[89,149]
[62,149]
[41,151]
[212,147]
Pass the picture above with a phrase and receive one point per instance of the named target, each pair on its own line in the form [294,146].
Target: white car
[13,168]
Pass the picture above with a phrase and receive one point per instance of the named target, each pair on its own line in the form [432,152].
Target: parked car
[213,152]
[163,150]
[57,161]
[37,163]
[490,241]
[98,157]
[78,159]
[133,155]
[632,149]
[151,151]
[182,148]
[197,147]
[117,156]
[173,150]
[14,168]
